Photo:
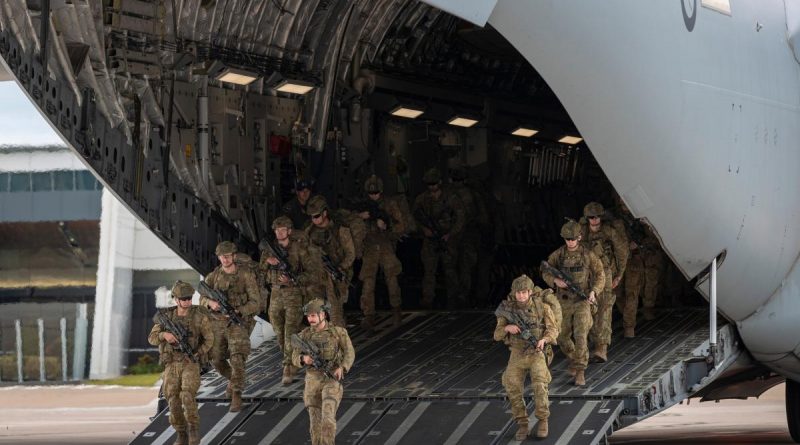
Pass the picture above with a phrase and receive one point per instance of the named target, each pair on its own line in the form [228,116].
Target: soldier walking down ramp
[385,226]
[293,273]
[181,358]
[528,327]
[587,274]
[327,353]
[335,243]
[232,340]
[612,249]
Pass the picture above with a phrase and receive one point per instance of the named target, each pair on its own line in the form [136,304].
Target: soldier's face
[319,219]
[572,243]
[315,319]
[374,195]
[522,295]
[184,303]
[226,260]
[281,233]
[303,195]
[594,223]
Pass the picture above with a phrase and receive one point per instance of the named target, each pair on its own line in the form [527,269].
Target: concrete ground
[115,415]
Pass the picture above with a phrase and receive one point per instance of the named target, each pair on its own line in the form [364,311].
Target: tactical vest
[600,244]
[575,264]
[232,285]
[327,341]
[169,353]
[533,313]
[296,244]
[328,240]
[439,211]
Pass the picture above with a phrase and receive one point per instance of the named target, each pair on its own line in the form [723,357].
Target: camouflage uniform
[466,256]
[612,249]
[335,241]
[445,216]
[323,394]
[587,271]
[644,267]
[181,376]
[525,359]
[232,341]
[379,252]
[287,299]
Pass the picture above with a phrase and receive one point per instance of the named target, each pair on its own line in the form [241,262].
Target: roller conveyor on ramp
[436,379]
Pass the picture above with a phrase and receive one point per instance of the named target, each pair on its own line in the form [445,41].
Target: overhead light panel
[462,121]
[407,112]
[294,86]
[524,132]
[237,76]
[570,140]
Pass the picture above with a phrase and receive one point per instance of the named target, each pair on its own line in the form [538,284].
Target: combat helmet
[373,184]
[182,289]
[303,183]
[593,209]
[225,248]
[571,229]
[316,205]
[316,306]
[521,283]
[282,221]
[432,176]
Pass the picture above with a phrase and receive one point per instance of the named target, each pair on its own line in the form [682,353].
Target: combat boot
[181,439]
[580,380]
[571,368]
[397,316]
[194,435]
[522,430]
[236,402]
[629,333]
[600,353]
[287,375]
[541,429]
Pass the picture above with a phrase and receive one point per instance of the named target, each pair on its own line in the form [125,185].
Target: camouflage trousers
[231,344]
[574,333]
[601,329]
[286,314]
[322,396]
[432,253]
[336,294]
[379,255]
[642,272]
[520,364]
[181,380]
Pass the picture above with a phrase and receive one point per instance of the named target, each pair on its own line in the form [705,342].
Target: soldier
[232,341]
[467,255]
[384,229]
[336,244]
[181,376]
[610,246]
[525,356]
[323,391]
[587,272]
[295,209]
[441,216]
[644,266]
[286,302]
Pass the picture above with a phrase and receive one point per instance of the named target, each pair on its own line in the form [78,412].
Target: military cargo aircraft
[200,114]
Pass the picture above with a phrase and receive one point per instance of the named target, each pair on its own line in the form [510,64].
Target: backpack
[357,226]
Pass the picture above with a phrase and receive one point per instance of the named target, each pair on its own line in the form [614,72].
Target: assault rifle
[515,318]
[565,277]
[375,211]
[225,306]
[283,259]
[336,273]
[436,234]
[312,350]
[179,331]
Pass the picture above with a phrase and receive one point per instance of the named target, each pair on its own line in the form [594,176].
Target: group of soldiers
[600,253]
[308,268]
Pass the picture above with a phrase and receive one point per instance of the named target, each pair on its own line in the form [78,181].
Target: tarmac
[84,414]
